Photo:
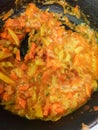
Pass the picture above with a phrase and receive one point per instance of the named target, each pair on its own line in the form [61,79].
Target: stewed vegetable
[56,74]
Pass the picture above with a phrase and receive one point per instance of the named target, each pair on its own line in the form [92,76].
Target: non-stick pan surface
[85,114]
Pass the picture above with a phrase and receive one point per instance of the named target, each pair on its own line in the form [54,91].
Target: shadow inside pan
[90,8]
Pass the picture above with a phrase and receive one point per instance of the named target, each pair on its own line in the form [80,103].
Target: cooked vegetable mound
[56,74]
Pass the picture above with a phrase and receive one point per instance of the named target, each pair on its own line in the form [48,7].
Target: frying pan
[85,114]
